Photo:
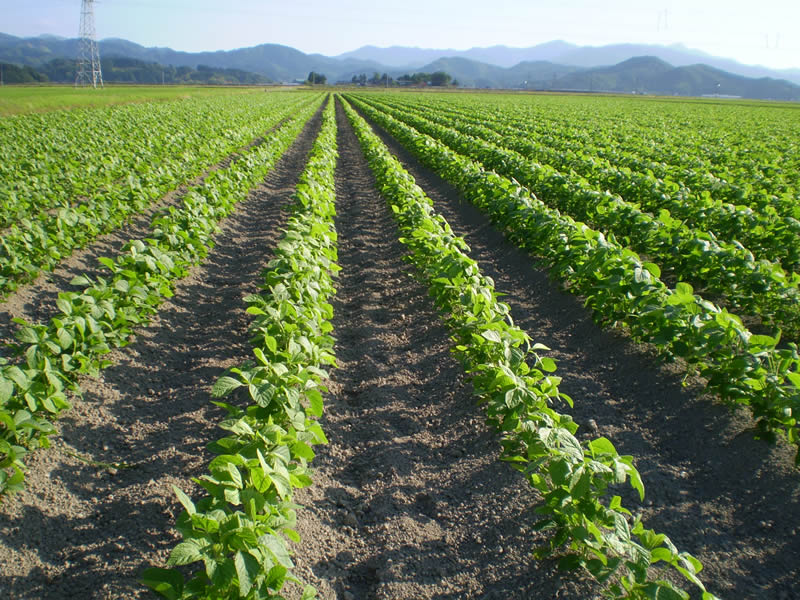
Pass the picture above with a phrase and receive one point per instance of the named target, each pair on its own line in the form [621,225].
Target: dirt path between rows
[731,500]
[85,532]
[408,499]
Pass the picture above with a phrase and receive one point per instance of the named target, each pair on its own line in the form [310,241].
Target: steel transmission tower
[89,71]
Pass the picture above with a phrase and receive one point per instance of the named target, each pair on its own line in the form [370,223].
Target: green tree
[17,74]
[440,78]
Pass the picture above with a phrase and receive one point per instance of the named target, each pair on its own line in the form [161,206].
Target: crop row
[765,232]
[53,159]
[573,478]
[51,357]
[706,148]
[722,269]
[238,529]
[41,242]
[621,288]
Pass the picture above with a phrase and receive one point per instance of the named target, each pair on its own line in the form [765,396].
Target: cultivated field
[400,345]
[16,100]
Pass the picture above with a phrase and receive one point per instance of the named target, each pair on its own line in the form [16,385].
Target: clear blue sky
[765,32]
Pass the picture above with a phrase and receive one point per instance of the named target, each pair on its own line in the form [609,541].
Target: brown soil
[408,499]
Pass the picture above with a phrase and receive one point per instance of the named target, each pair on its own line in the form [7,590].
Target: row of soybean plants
[53,159]
[239,528]
[721,269]
[621,288]
[189,137]
[739,154]
[753,207]
[761,228]
[48,359]
[518,388]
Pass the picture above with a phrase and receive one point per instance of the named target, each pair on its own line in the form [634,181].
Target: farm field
[626,264]
[16,100]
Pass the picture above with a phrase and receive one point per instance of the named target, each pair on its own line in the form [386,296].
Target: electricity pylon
[89,71]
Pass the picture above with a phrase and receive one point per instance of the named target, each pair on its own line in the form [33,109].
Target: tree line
[130,70]
[437,79]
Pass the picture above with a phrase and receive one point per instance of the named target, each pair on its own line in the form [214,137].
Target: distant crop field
[28,99]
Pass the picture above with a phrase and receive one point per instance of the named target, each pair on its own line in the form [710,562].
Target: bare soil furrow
[731,500]
[83,531]
[408,499]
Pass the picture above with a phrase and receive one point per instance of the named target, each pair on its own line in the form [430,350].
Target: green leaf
[225,385]
[104,260]
[570,562]
[559,472]
[80,281]
[636,481]
[491,335]
[303,450]
[259,354]
[664,554]
[762,341]
[184,553]
[794,378]
[315,402]
[18,376]
[654,269]
[277,549]
[64,305]
[184,500]
[6,390]
[271,343]
[547,364]
[602,446]
[247,570]
[167,582]
[663,591]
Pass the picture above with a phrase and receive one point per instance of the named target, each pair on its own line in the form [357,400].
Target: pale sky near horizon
[766,33]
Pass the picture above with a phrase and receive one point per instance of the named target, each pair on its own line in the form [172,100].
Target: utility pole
[89,70]
[2,83]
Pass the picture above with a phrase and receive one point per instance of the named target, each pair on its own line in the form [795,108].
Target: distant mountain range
[564,53]
[278,63]
[649,74]
[554,65]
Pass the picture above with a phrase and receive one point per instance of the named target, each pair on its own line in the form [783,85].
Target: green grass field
[26,99]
